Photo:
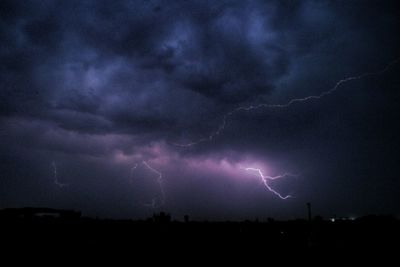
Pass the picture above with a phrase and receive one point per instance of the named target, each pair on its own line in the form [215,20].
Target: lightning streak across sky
[155,202]
[225,117]
[55,176]
[265,178]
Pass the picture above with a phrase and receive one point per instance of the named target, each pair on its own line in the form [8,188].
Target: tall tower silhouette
[309,211]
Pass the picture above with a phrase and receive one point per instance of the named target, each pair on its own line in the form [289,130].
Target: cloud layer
[97,87]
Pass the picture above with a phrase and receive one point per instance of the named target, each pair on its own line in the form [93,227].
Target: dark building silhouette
[162,217]
[30,213]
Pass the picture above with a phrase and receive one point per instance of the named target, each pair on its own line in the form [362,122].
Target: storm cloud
[99,86]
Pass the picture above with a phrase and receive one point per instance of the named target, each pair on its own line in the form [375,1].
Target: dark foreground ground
[66,234]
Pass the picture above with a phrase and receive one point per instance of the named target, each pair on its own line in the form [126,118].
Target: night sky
[125,108]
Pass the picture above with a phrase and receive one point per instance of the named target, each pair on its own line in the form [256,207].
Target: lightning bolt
[55,176]
[225,117]
[159,181]
[133,169]
[155,202]
[266,178]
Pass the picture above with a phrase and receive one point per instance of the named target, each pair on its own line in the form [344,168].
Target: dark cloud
[97,86]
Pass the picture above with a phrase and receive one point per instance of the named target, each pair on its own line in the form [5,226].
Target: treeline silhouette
[60,230]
